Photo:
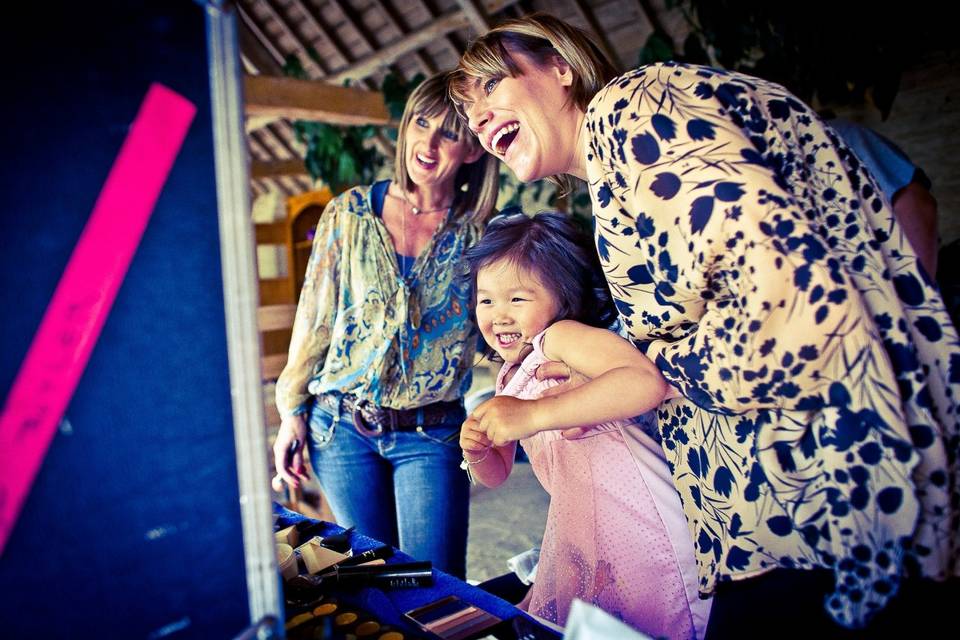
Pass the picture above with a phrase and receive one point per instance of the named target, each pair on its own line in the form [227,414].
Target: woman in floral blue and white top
[753,258]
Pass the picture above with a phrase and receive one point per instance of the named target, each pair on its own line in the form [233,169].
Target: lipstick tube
[391,576]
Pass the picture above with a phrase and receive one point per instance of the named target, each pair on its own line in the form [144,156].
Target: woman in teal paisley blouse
[752,257]
[383,341]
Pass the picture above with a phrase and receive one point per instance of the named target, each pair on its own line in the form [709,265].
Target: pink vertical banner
[82,300]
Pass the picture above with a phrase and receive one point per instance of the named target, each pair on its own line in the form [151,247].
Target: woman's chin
[524,171]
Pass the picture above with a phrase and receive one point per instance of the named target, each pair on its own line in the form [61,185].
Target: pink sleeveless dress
[616,536]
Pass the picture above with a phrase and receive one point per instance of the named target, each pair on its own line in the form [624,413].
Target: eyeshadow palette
[451,618]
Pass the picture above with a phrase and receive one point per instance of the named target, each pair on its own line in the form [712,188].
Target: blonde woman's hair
[542,37]
[476,184]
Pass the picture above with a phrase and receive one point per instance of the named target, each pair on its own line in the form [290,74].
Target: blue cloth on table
[389,606]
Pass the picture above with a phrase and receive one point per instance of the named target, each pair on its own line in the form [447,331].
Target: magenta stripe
[80,305]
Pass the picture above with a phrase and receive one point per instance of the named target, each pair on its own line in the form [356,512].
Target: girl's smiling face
[513,306]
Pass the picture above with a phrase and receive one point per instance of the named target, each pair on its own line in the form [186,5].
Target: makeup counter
[394,598]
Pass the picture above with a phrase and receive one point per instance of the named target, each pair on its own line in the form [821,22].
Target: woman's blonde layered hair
[542,37]
[477,183]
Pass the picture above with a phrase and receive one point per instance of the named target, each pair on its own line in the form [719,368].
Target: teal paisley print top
[756,262]
[362,328]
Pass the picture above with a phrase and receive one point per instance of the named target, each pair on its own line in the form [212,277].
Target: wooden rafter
[411,42]
[256,57]
[388,10]
[648,13]
[582,10]
[312,20]
[328,38]
[302,178]
[311,100]
[281,140]
[261,119]
[381,141]
[425,65]
[270,169]
[265,151]
[288,29]
[259,34]
[475,15]
[259,59]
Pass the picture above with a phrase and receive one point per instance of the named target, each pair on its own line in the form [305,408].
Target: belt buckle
[369,420]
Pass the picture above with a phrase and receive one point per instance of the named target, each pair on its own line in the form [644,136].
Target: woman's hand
[288,453]
[506,419]
[553,370]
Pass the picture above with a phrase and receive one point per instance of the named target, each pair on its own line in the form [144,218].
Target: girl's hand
[506,419]
[473,439]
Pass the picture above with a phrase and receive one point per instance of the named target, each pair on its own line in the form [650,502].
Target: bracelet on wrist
[466,463]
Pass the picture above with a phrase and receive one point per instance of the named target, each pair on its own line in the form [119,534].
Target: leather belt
[374,420]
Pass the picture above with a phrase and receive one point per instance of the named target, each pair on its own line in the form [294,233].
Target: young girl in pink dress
[616,535]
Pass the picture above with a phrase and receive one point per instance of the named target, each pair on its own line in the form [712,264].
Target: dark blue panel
[132,528]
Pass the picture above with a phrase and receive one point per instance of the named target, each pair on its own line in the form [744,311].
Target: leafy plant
[395,94]
[657,48]
[343,156]
[530,197]
[338,155]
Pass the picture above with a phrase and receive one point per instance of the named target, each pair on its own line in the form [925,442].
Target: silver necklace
[415,210]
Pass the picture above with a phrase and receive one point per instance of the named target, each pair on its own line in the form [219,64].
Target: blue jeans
[404,488]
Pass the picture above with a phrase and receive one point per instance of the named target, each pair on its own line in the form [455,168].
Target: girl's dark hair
[552,247]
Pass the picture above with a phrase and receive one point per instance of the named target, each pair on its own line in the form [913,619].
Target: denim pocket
[448,435]
[323,426]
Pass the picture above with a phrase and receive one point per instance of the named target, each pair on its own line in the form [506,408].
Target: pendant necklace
[415,210]
[406,282]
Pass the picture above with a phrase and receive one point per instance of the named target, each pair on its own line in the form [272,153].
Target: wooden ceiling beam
[587,15]
[346,11]
[336,46]
[411,42]
[389,10]
[269,169]
[380,140]
[446,40]
[257,145]
[315,23]
[282,140]
[478,21]
[288,29]
[311,100]
[259,35]
[265,150]
[495,6]
[648,13]
[476,15]
[256,56]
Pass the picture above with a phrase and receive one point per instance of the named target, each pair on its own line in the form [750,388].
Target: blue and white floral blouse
[754,259]
[362,328]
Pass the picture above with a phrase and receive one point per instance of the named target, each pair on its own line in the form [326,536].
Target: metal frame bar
[240,295]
